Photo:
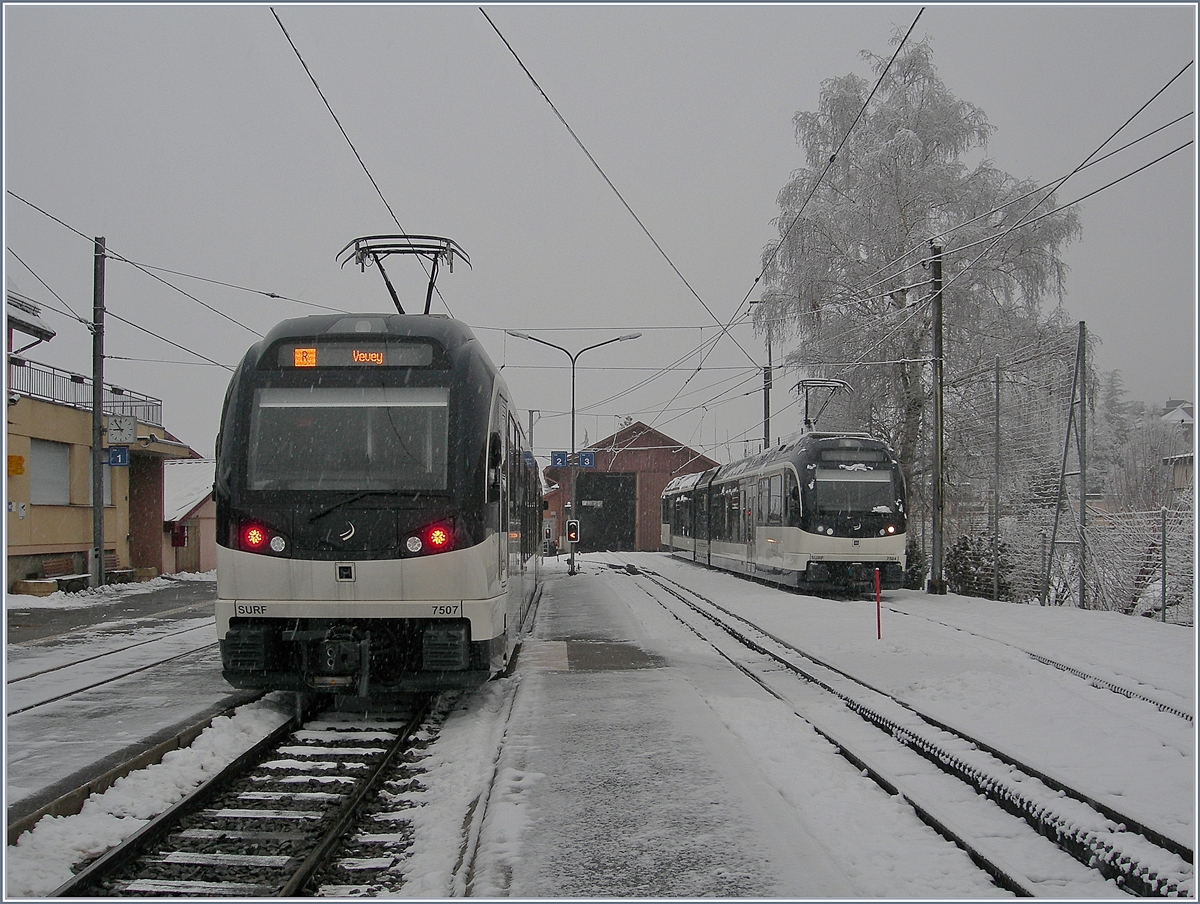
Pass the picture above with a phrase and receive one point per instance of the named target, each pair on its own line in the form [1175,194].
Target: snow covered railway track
[994,807]
[1093,680]
[50,685]
[267,823]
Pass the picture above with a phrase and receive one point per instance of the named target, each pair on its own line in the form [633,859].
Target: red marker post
[878,615]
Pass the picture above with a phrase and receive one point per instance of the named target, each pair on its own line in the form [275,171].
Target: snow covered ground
[102,596]
[660,771]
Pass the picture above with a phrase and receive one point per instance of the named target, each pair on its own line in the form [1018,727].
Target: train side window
[792,497]
[764,492]
[775,502]
[495,460]
[747,520]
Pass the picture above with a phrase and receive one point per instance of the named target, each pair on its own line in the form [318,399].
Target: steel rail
[1091,851]
[350,807]
[160,826]
[109,680]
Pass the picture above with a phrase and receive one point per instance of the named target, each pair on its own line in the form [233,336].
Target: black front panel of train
[354,460]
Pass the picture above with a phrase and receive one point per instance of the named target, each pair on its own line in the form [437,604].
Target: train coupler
[340,661]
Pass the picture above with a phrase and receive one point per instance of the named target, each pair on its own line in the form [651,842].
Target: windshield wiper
[337,505]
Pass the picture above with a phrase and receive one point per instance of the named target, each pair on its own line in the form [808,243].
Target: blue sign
[118,456]
[558,459]
[587,459]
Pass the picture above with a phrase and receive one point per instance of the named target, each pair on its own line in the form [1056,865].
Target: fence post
[1164,564]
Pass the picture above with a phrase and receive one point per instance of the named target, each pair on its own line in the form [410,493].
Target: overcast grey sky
[191,138]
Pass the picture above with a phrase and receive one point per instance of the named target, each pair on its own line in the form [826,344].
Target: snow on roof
[1181,413]
[24,316]
[186,482]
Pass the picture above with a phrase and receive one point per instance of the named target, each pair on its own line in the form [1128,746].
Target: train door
[749,500]
[500,436]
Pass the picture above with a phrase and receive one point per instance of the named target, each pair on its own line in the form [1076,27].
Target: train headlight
[278,544]
[891,528]
[414,544]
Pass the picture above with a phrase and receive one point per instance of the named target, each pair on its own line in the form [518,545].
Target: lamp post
[571,465]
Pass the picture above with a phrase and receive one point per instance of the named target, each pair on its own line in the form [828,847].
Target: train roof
[797,450]
[448,332]
[454,336]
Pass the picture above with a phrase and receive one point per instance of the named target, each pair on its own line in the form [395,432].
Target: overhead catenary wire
[829,163]
[1025,220]
[357,155]
[999,208]
[610,184]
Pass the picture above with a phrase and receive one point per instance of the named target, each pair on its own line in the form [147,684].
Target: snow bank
[42,858]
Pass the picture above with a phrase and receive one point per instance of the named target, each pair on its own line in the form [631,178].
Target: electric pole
[936,582]
[767,394]
[96,570]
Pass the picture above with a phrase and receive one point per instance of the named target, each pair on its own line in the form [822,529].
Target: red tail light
[439,537]
[254,537]
[436,537]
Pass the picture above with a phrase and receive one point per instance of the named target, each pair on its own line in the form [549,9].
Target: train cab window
[849,491]
[349,438]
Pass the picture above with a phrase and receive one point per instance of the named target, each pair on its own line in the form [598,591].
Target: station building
[620,498]
[49,476]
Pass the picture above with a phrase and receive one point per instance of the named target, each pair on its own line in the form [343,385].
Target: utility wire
[228,285]
[118,257]
[1024,220]
[166,340]
[1054,186]
[604,176]
[47,287]
[164,361]
[997,209]
[110,253]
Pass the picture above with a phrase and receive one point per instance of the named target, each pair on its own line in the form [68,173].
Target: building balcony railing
[41,381]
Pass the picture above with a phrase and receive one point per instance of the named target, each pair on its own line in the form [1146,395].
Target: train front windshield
[841,491]
[349,438]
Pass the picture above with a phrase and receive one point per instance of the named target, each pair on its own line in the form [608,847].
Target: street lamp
[571,461]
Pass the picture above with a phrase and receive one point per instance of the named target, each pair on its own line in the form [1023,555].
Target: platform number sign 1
[572,530]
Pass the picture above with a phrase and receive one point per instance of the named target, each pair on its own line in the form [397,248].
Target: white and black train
[377,512]
[820,513]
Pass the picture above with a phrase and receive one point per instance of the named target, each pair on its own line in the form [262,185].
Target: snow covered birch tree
[847,282]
